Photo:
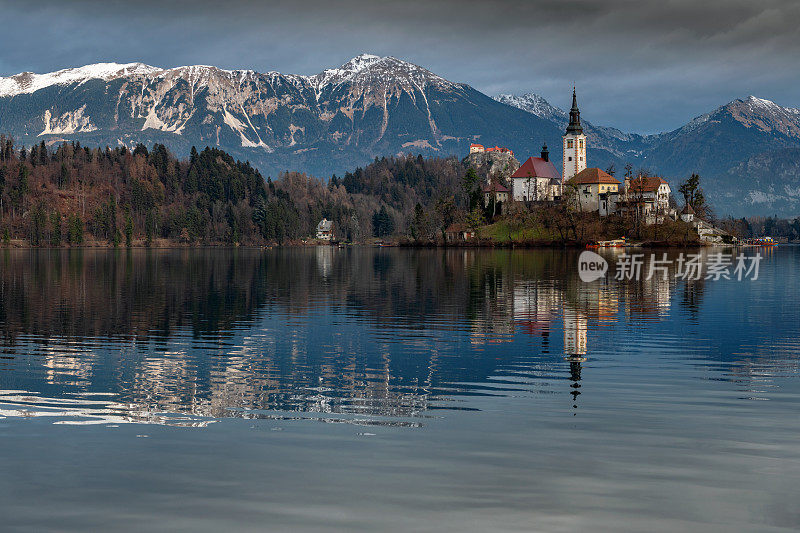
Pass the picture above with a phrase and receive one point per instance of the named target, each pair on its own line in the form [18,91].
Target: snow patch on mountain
[535,104]
[345,72]
[28,82]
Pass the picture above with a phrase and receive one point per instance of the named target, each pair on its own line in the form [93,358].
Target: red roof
[496,187]
[591,176]
[646,184]
[457,227]
[473,145]
[536,167]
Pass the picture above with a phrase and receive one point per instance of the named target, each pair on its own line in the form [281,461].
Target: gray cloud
[639,65]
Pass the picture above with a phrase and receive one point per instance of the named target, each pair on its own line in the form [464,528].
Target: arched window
[581,143]
[569,143]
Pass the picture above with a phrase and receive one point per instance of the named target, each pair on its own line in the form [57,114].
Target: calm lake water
[324,389]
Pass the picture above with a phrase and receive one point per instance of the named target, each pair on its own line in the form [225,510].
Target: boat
[759,241]
[615,243]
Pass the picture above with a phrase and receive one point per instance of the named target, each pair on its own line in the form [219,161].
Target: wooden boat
[615,243]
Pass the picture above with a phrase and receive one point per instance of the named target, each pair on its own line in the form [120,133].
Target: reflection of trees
[177,330]
[90,293]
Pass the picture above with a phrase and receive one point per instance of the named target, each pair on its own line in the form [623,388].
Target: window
[569,143]
[581,143]
[569,159]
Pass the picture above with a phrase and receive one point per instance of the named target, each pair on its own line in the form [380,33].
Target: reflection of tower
[574,333]
[575,378]
[575,343]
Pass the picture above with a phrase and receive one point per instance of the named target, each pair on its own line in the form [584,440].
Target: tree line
[72,194]
[68,194]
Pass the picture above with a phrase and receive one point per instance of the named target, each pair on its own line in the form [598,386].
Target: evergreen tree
[128,228]
[43,153]
[38,223]
[150,227]
[63,176]
[74,229]
[382,223]
[55,233]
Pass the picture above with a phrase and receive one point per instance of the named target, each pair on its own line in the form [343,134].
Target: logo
[591,266]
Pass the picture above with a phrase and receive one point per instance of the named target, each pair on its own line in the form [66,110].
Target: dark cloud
[639,65]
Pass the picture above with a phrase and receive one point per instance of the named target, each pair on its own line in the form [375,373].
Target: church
[537,180]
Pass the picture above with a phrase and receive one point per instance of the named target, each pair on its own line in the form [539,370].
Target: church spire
[574,116]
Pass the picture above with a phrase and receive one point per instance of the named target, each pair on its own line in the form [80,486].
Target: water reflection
[356,335]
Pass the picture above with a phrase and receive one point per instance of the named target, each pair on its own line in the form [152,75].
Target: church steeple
[574,148]
[574,126]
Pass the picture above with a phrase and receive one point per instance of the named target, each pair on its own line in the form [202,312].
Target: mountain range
[748,151]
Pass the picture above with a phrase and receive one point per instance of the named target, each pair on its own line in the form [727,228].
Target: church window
[569,159]
[569,143]
[581,143]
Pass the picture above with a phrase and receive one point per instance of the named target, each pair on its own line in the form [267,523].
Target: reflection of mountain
[353,332]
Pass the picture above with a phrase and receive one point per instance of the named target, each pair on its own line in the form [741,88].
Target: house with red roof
[501,150]
[537,180]
[495,192]
[475,148]
[647,196]
[593,188]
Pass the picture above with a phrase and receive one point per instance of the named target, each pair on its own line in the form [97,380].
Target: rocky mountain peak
[753,112]
[368,68]
[535,104]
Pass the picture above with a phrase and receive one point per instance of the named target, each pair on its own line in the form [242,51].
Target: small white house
[687,215]
[325,230]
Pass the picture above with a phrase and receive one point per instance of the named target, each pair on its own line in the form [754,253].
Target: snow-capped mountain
[373,106]
[324,123]
[535,104]
[747,148]
[747,151]
[617,143]
[28,82]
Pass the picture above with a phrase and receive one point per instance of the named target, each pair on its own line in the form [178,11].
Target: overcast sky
[639,65]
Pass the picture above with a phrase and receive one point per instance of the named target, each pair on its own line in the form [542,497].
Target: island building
[574,143]
[687,215]
[495,194]
[536,180]
[592,188]
[646,196]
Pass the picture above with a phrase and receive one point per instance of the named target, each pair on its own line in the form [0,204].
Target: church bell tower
[574,143]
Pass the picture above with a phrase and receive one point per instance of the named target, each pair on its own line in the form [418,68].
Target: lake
[361,389]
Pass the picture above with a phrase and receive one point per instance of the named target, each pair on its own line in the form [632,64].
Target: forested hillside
[77,195]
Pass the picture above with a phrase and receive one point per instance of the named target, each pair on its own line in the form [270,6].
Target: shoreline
[556,245]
